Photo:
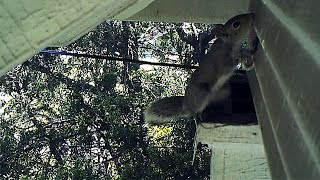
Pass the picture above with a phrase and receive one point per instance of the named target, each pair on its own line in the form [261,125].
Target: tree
[82,118]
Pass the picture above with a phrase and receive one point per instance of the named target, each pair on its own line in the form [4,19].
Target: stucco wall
[205,11]
[28,26]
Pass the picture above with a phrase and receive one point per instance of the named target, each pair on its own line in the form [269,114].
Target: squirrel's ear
[218,30]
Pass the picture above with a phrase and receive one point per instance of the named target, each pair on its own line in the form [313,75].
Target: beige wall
[205,11]
[29,26]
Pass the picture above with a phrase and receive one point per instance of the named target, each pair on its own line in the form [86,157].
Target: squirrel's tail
[165,110]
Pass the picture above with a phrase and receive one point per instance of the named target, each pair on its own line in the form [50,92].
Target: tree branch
[80,86]
[192,40]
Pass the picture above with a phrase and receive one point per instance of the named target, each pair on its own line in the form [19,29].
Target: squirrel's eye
[236,24]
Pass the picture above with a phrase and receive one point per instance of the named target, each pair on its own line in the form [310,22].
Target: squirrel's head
[237,28]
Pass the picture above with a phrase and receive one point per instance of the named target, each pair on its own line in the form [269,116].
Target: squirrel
[208,83]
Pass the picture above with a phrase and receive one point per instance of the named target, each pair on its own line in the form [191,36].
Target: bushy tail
[165,110]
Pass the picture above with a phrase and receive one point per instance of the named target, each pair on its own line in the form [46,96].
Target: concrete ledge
[246,162]
[237,151]
[209,133]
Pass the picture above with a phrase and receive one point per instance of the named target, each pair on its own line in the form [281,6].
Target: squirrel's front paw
[248,65]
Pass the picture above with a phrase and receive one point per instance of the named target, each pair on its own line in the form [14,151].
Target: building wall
[286,85]
[204,11]
[29,26]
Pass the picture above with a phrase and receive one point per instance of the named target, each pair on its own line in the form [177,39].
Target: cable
[117,59]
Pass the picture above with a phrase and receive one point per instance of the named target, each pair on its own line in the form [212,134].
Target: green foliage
[78,118]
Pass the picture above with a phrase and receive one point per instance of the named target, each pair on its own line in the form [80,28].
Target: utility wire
[117,59]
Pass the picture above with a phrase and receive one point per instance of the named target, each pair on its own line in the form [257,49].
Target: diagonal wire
[116,59]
